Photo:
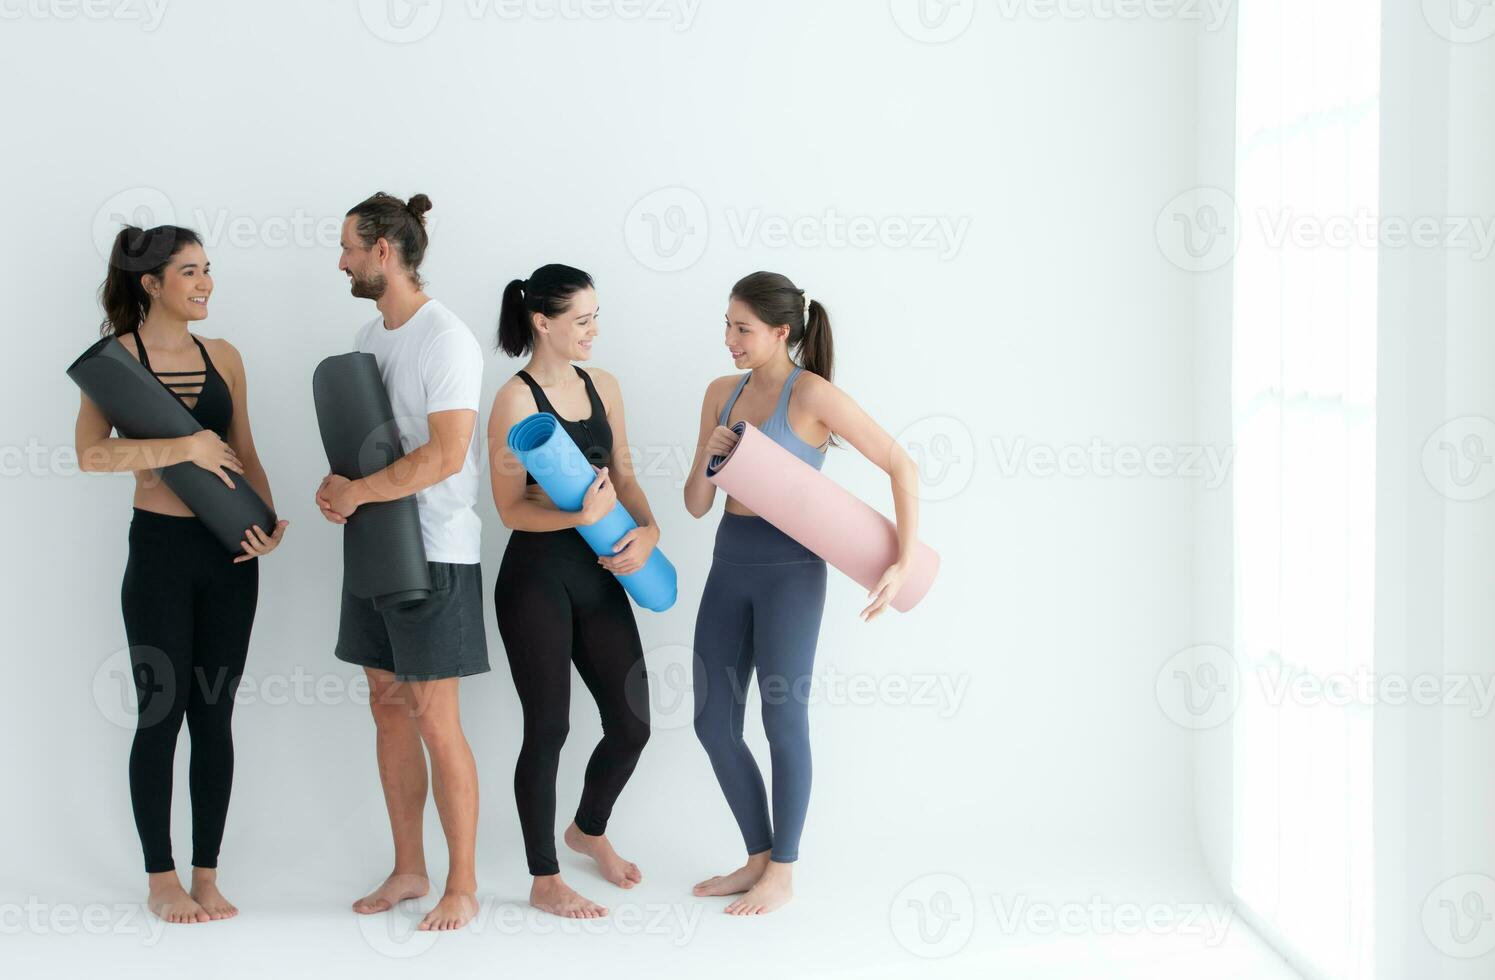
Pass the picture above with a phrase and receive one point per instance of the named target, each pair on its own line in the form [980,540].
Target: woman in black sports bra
[188,605]
[558,603]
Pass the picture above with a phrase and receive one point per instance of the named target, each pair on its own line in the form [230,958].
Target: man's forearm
[407,475]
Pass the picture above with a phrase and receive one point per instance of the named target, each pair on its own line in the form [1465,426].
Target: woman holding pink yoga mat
[764,596]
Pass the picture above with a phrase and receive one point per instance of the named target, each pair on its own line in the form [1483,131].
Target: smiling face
[570,335]
[363,264]
[750,341]
[183,288]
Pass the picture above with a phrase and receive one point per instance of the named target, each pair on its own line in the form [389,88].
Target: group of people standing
[189,607]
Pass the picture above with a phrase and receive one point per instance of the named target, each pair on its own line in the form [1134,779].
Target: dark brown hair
[780,303]
[547,291]
[137,252]
[401,223]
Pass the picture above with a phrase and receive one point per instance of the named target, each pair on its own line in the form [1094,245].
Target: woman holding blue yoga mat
[558,601]
[763,599]
[188,604]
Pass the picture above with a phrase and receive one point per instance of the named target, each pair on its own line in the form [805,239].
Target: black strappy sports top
[592,435]
[214,406]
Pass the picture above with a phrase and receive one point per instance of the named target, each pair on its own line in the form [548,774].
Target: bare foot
[396,888]
[772,891]
[738,881]
[624,874]
[170,901]
[454,911]
[205,892]
[550,894]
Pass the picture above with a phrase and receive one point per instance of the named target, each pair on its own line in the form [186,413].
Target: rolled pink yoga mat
[814,510]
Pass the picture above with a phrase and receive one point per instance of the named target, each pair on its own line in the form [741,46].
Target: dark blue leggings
[761,609]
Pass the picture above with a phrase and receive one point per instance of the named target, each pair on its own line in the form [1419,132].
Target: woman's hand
[213,454]
[257,544]
[720,442]
[631,551]
[599,499]
[883,593]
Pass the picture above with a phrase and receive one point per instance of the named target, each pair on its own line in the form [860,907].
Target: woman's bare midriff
[152,494]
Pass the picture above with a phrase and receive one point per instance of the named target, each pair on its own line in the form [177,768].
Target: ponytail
[547,291]
[514,336]
[136,253]
[816,350]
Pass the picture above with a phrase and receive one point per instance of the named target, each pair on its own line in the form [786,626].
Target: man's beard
[371,287]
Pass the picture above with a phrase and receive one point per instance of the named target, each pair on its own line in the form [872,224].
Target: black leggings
[188,611]
[556,605]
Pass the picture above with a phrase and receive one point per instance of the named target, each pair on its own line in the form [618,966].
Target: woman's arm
[240,436]
[843,416]
[632,549]
[258,541]
[516,509]
[700,493]
[98,452]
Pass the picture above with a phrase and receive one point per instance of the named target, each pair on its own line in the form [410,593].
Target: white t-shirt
[433,363]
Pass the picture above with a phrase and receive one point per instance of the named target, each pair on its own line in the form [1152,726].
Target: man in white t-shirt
[433,369]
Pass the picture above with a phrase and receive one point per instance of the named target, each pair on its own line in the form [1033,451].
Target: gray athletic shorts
[440,637]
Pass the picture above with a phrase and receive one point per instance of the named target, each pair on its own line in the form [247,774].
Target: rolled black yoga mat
[139,406]
[384,557]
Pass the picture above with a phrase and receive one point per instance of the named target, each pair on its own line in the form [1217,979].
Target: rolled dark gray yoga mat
[139,406]
[384,556]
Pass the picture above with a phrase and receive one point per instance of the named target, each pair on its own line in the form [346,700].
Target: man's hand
[337,498]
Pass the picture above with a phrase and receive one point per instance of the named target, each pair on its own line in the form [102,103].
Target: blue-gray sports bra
[777,426]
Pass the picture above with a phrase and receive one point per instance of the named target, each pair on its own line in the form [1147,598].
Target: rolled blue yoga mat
[551,457]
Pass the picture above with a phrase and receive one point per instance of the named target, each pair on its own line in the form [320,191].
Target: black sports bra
[214,407]
[592,435]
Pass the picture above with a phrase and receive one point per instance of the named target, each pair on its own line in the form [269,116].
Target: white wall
[1056,321]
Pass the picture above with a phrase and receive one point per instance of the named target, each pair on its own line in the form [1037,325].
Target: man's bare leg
[455,780]
[402,772]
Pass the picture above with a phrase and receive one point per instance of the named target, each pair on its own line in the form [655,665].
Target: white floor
[846,922]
